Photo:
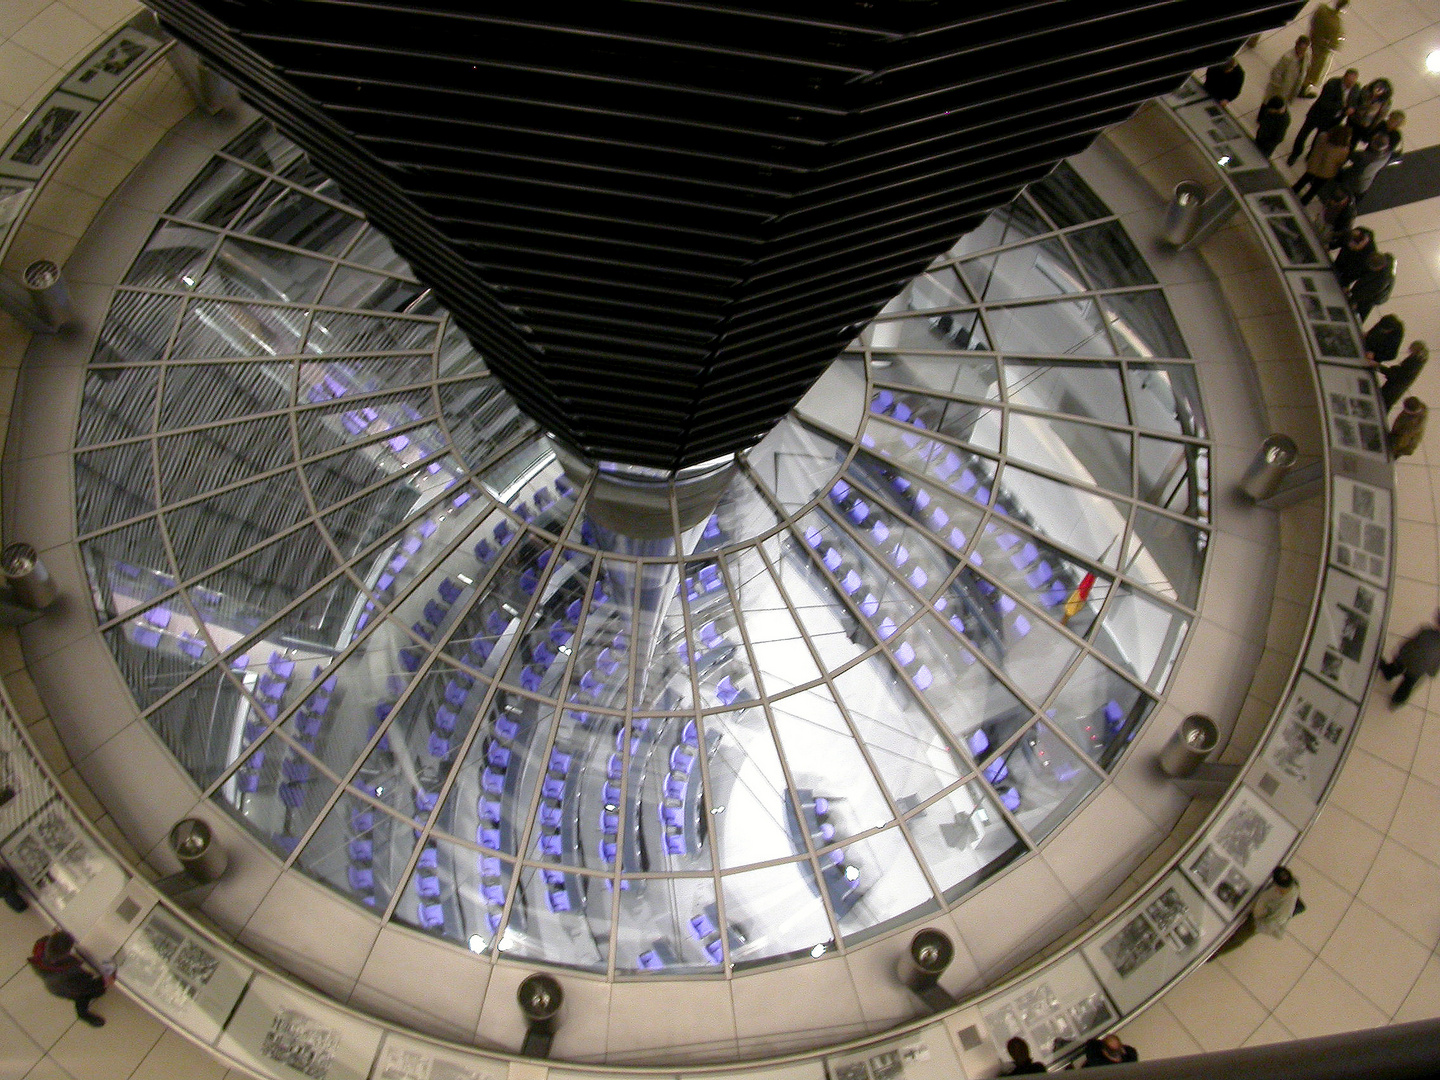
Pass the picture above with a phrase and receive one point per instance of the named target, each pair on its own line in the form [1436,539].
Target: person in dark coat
[1373,287]
[1336,102]
[1400,377]
[1354,254]
[1109,1051]
[1224,81]
[1383,340]
[10,890]
[1271,125]
[66,976]
[1418,656]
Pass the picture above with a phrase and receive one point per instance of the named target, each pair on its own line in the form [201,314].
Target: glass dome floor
[363,605]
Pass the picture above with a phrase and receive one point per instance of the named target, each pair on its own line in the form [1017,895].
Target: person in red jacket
[66,976]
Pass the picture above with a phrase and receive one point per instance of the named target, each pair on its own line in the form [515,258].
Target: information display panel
[1302,753]
[1346,634]
[1235,857]
[180,974]
[289,1035]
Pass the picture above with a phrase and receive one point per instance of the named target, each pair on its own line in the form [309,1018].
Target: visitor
[1224,81]
[10,890]
[1271,125]
[1336,102]
[1373,287]
[1019,1051]
[1406,435]
[1354,254]
[1398,378]
[1327,34]
[1365,165]
[1383,340]
[1335,216]
[66,976]
[1327,157]
[1109,1051]
[1418,656]
[1274,906]
[1289,70]
[1393,128]
[1373,107]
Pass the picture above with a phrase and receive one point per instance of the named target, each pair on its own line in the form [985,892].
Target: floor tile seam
[1320,963]
[1350,899]
[1429,947]
[1389,1014]
[1202,1043]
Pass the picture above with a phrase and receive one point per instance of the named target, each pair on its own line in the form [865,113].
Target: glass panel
[122,568]
[961,691]
[198,394]
[870,584]
[288,794]
[205,726]
[458,893]
[957,330]
[775,913]
[780,652]
[265,581]
[265,148]
[964,840]
[118,403]
[360,851]
[664,819]
[1040,269]
[374,250]
[946,517]
[1166,397]
[1057,328]
[112,485]
[1142,635]
[669,925]
[752,814]
[825,763]
[215,328]
[906,552]
[1066,199]
[217,194]
[355,289]
[1067,591]
[1143,325]
[220,527]
[741,512]
[794,463]
[836,633]
[200,461]
[332,332]
[1092,455]
[975,424]
[966,376]
[1174,475]
[137,328]
[1087,522]
[172,257]
[1089,390]
[562,918]
[1166,555]
[1109,257]
[874,885]
[1006,225]
[260,272]
[911,755]
[333,425]
[1099,710]
[287,216]
[1040,781]
[323,380]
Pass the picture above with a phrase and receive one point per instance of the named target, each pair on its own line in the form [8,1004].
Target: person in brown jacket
[1409,428]
[1326,158]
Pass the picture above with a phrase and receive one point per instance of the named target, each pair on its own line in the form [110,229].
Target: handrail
[258,1019]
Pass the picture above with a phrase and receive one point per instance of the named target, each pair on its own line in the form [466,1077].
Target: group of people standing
[1349,135]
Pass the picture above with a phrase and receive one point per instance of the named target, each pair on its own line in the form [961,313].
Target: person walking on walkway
[1407,433]
[1285,76]
[1327,34]
[66,976]
[1417,657]
[1401,376]
[1275,905]
[1337,100]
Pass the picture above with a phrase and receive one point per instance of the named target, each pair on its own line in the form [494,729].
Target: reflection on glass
[1166,555]
[1173,475]
[775,913]
[670,925]
[1109,257]
[1040,269]
[1057,328]
[965,376]
[277,793]
[1097,456]
[875,884]
[1066,199]
[1142,324]
[1166,397]
[1099,710]
[361,851]
[1040,780]
[1142,635]
[172,257]
[962,330]
[1091,391]
[964,840]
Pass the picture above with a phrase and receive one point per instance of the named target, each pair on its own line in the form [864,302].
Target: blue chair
[425,801]
[610,793]
[726,691]
[674,788]
[715,951]
[702,927]
[439,746]
[530,679]
[432,917]
[488,836]
[851,583]
[449,591]
[572,611]
[429,858]
[455,694]
[489,810]
[501,532]
[905,654]
[552,787]
[813,536]
[492,782]
[673,816]
[483,551]
[542,654]
[560,761]
[1010,799]
[606,661]
[690,733]
[497,755]
[613,767]
[649,960]
[549,844]
[607,851]
[528,581]
[558,899]
[361,879]
[434,613]
[427,886]
[361,851]
[675,843]
[506,728]
[682,760]
[922,678]
[444,721]
[832,559]
[550,815]
[362,821]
